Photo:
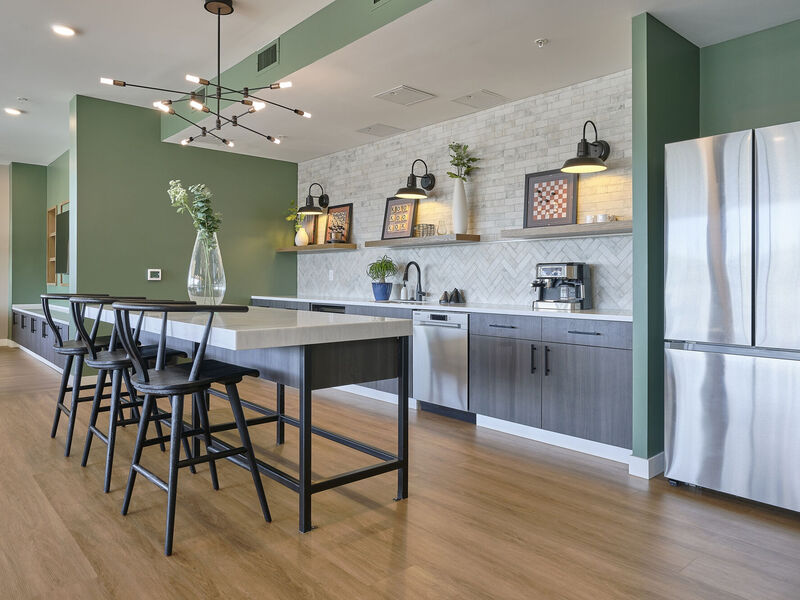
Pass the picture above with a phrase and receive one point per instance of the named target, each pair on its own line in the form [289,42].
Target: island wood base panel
[490,516]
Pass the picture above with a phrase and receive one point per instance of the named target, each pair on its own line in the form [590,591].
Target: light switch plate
[153,274]
[330,275]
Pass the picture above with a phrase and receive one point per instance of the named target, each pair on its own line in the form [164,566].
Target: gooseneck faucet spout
[419,295]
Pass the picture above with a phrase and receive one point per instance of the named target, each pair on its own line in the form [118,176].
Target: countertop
[497,309]
[60,314]
[271,327]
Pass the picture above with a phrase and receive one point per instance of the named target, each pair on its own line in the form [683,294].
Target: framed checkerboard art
[550,199]
[398,220]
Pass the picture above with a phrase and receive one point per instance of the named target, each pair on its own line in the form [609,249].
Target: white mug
[588,218]
[604,218]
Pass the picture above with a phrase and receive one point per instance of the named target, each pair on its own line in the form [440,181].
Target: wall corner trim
[646,468]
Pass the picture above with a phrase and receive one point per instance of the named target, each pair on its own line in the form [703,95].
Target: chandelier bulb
[196,79]
[302,113]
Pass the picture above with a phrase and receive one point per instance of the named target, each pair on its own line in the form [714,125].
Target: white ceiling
[446,47]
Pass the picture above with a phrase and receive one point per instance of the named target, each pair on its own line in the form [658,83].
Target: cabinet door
[505,379]
[587,393]
[16,332]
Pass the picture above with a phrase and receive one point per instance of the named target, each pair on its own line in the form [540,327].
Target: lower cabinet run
[579,390]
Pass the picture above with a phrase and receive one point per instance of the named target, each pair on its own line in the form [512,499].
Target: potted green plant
[463,164]
[378,271]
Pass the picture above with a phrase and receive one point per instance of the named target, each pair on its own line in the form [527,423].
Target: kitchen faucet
[419,294]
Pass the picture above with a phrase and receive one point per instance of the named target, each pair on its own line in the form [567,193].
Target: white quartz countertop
[270,327]
[497,309]
[60,314]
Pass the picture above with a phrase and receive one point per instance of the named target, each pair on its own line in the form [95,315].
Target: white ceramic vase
[301,237]
[459,207]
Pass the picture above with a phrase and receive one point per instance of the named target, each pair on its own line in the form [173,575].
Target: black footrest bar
[151,477]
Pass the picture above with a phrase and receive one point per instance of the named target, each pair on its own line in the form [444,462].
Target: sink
[400,302]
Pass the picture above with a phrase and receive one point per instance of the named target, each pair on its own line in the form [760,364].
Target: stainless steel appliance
[441,358]
[562,286]
[732,260]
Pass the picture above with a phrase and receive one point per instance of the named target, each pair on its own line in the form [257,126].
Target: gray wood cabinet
[505,379]
[587,393]
[35,334]
[287,304]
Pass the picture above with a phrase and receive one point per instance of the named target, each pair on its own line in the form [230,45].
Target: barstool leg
[98,393]
[76,394]
[159,431]
[132,397]
[174,456]
[113,413]
[281,407]
[148,407]
[62,391]
[244,434]
[200,406]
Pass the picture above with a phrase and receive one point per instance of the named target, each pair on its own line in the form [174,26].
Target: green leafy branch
[293,216]
[199,208]
[462,161]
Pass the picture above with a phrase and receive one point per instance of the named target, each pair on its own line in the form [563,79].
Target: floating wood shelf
[569,231]
[432,240]
[318,248]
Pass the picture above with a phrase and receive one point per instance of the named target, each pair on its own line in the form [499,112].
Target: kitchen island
[309,351]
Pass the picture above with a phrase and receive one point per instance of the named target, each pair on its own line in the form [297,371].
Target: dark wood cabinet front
[505,379]
[587,393]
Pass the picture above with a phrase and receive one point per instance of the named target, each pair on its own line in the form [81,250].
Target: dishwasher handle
[437,324]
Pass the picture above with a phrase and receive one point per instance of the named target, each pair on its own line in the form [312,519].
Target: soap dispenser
[404,292]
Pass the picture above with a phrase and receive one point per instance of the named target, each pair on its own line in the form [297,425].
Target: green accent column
[666,95]
[28,184]
[125,223]
[751,81]
[57,194]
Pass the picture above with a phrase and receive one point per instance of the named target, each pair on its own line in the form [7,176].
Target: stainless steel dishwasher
[441,358]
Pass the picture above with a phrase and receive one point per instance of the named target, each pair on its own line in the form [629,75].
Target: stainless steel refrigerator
[732,314]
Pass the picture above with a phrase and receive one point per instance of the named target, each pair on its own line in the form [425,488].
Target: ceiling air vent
[482,99]
[380,130]
[404,95]
[269,56]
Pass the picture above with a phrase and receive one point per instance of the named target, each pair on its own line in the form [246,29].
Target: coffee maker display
[562,286]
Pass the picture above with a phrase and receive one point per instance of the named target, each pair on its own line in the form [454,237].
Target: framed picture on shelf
[550,199]
[337,229]
[398,220]
[309,223]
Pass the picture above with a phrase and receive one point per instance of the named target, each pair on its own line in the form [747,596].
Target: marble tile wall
[525,136]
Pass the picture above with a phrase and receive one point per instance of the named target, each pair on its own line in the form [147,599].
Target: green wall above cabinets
[751,81]
[125,223]
[28,187]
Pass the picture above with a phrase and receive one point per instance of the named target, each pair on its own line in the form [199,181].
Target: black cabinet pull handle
[14,318]
[502,326]
[533,359]
[22,317]
[33,325]
[44,331]
[547,360]
[585,332]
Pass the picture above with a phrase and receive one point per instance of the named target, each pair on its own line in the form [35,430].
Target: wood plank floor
[490,516]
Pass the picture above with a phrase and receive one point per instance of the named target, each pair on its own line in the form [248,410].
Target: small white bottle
[404,292]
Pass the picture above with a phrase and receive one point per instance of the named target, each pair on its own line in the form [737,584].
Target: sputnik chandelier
[199,99]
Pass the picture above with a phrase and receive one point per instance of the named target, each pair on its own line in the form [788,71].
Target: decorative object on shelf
[398,220]
[605,218]
[424,230]
[442,228]
[464,164]
[444,298]
[456,297]
[198,100]
[305,225]
[591,155]
[378,271]
[337,229]
[411,191]
[206,280]
[550,199]
[310,208]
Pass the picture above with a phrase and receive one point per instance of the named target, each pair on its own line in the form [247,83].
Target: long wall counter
[495,309]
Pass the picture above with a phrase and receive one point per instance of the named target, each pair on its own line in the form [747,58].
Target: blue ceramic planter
[381,291]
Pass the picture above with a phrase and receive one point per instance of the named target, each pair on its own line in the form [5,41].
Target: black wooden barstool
[175,382]
[113,360]
[74,351]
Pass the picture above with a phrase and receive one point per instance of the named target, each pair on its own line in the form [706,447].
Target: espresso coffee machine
[562,286]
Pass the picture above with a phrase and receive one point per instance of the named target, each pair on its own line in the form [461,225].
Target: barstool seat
[175,379]
[118,359]
[76,347]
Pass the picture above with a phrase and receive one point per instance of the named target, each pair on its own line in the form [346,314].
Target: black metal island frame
[308,351]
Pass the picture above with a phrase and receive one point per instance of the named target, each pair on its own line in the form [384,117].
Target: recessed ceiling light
[13,111]
[63,30]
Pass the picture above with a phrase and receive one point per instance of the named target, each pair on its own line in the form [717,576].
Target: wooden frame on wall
[398,218]
[340,215]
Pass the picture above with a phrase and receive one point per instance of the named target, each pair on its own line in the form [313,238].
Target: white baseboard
[646,468]
[37,357]
[606,451]
[361,390]
[85,380]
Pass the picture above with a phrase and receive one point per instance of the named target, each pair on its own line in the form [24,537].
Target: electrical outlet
[330,274]
[153,274]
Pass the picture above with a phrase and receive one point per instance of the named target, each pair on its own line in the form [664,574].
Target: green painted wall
[666,82]
[125,223]
[751,81]
[28,185]
[333,27]
[58,193]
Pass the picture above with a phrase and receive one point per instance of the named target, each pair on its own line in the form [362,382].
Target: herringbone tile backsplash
[525,136]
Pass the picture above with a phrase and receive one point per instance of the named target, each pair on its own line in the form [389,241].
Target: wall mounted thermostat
[153,274]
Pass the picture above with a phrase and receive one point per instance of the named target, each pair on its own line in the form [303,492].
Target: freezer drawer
[731,424]
[777,241]
[708,239]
